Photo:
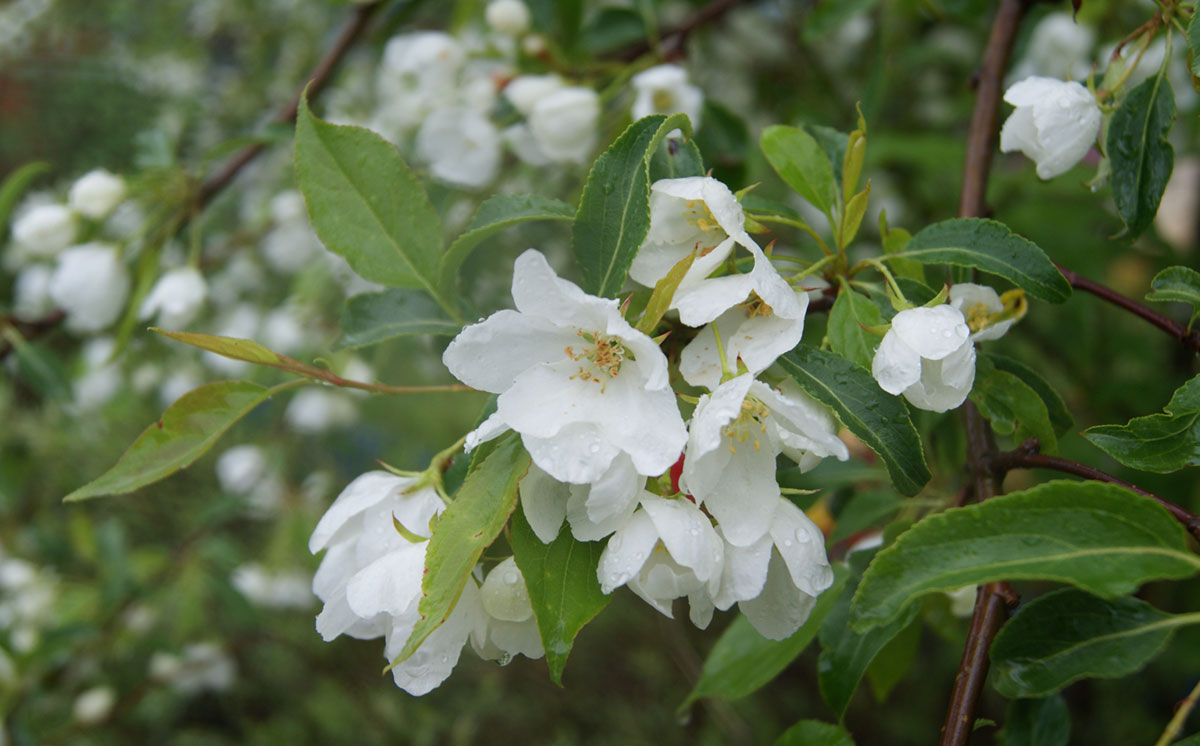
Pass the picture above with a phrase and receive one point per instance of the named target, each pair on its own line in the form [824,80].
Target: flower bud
[1055,123]
[510,17]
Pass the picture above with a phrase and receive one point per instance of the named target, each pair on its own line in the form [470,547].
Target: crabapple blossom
[563,124]
[509,17]
[461,146]
[665,89]
[90,284]
[31,291]
[1055,123]
[977,303]
[176,298]
[928,356]
[578,383]
[44,230]
[735,436]
[96,194]
[418,73]
[593,510]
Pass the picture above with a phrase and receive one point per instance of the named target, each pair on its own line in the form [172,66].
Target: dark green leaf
[493,216]
[833,142]
[1012,406]
[1193,740]
[846,654]
[1100,537]
[1060,417]
[473,520]
[1141,157]
[893,662]
[1180,284]
[14,186]
[802,164]
[991,247]
[367,205]
[865,509]
[742,660]
[878,419]
[814,733]
[562,584]
[1193,39]
[612,29]
[614,211]
[371,318]
[1158,442]
[826,17]
[676,159]
[1069,635]
[1037,722]
[852,312]
[185,432]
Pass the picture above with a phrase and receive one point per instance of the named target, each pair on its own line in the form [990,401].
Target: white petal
[781,608]
[896,366]
[933,333]
[504,595]
[586,528]
[745,572]
[687,534]
[389,585]
[364,492]
[538,292]
[614,492]
[626,552]
[802,547]
[491,354]
[544,503]
[433,661]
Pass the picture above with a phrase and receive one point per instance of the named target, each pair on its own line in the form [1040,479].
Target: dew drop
[802,536]
[511,578]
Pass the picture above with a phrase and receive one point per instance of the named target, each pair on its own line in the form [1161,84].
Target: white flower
[564,124]
[44,230]
[461,146]
[977,302]
[593,510]
[286,589]
[101,379]
[202,666]
[91,284]
[240,469]
[510,17]
[1055,123]
[577,382]
[176,298]
[526,90]
[665,89]
[94,705]
[288,208]
[507,627]
[928,356]
[96,194]
[735,436]
[776,580]
[419,71]
[31,292]
[667,550]
[317,410]
[1059,45]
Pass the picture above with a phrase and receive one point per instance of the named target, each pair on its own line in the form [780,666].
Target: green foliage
[1012,406]
[849,318]
[825,18]
[877,418]
[1180,284]
[614,211]
[1069,635]
[676,159]
[186,431]
[371,318]
[1158,442]
[493,216]
[894,660]
[1037,722]
[1105,539]
[991,247]
[802,164]
[1138,150]
[814,733]
[1056,408]
[563,590]
[367,205]
[14,187]
[470,524]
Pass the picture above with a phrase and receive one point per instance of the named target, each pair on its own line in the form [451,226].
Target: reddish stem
[1170,326]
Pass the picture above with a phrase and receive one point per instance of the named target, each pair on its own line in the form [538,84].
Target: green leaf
[834,142]
[802,164]
[614,211]
[1138,150]
[246,350]
[1069,635]
[664,293]
[612,29]
[852,312]
[493,216]
[742,660]
[1193,740]
[894,660]
[880,420]
[1037,722]
[1056,408]
[466,528]
[14,186]
[1100,537]
[39,367]
[371,318]
[1193,39]
[814,733]
[183,434]
[367,205]
[1180,284]
[1012,406]
[825,18]
[856,208]
[1159,442]
[562,584]
[991,247]
[675,159]
[846,654]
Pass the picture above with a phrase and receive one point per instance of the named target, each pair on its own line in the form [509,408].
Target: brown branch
[1026,456]
[993,599]
[673,40]
[315,82]
[1170,326]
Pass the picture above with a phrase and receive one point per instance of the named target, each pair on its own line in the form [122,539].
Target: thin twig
[1027,457]
[674,40]
[1176,725]
[993,599]
[1170,326]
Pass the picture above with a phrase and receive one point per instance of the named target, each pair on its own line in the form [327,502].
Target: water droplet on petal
[511,577]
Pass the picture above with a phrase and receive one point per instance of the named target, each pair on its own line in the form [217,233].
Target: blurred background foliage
[163,92]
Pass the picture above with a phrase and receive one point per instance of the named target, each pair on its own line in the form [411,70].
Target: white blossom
[96,194]
[44,230]
[1055,123]
[577,382]
[241,468]
[316,410]
[564,124]
[282,589]
[928,356]
[735,436]
[200,667]
[176,298]
[31,291]
[94,705]
[90,283]
[101,378]
[510,17]
[419,72]
[592,510]
[665,89]
[507,627]
[461,146]
[1058,46]
[977,303]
